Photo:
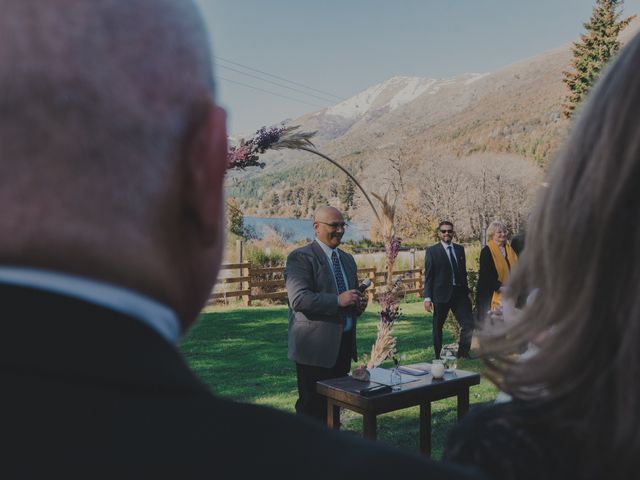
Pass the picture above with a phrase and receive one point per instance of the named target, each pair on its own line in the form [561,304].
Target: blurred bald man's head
[112,151]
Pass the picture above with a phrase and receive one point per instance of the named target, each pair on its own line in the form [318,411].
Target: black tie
[337,271]
[454,265]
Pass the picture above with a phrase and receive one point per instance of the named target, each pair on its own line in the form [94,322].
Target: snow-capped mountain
[517,105]
[375,102]
[389,95]
[512,116]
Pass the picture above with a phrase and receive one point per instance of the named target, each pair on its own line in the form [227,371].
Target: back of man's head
[105,114]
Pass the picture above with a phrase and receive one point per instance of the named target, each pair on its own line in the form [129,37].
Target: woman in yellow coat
[497,259]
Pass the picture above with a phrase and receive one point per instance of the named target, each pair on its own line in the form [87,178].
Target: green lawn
[241,353]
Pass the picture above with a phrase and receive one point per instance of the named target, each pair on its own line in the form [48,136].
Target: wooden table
[343,392]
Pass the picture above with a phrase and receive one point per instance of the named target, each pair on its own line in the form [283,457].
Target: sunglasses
[335,225]
[446,231]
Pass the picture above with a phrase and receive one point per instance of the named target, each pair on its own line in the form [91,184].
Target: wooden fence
[241,280]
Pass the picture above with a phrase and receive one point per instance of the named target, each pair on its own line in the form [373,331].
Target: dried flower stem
[312,150]
[276,138]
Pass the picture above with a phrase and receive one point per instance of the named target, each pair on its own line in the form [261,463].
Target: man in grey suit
[446,288]
[324,305]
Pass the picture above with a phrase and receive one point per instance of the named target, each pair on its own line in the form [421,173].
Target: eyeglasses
[446,231]
[335,225]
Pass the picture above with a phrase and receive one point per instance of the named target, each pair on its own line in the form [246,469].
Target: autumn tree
[470,192]
[595,48]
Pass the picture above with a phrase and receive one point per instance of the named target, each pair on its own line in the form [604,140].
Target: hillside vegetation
[471,148]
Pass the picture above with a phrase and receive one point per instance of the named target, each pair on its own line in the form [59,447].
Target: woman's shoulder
[486,259]
[509,441]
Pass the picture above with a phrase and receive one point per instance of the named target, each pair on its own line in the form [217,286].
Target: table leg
[369,426]
[463,403]
[333,415]
[425,428]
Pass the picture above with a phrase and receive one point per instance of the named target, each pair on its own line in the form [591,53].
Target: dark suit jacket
[315,323]
[90,393]
[487,281]
[517,243]
[438,284]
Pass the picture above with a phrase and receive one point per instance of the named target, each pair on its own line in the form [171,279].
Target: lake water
[298,229]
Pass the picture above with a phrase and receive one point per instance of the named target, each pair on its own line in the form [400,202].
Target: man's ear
[206,165]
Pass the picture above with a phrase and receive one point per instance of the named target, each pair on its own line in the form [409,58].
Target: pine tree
[346,193]
[593,51]
[235,217]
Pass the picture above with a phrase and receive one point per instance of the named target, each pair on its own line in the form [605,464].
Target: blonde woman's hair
[494,227]
[583,259]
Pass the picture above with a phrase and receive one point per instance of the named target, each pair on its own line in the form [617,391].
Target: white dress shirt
[152,313]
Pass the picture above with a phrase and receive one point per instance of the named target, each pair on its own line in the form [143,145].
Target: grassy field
[241,353]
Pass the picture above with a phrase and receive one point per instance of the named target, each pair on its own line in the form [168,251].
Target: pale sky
[340,47]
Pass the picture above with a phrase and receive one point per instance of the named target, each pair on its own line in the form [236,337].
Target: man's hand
[428,306]
[349,298]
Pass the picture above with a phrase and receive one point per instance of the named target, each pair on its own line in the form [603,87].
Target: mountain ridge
[411,125]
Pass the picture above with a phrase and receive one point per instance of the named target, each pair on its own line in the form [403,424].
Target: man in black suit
[324,305]
[517,243]
[113,156]
[446,288]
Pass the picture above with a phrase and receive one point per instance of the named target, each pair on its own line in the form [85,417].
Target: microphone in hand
[366,283]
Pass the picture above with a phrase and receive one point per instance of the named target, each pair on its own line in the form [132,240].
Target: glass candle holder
[396,378]
[450,362]
[437,368]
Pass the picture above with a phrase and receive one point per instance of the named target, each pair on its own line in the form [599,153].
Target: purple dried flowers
[247,153]
[392,247]
[241,157]
[265,138]
[390,314]
[389,303]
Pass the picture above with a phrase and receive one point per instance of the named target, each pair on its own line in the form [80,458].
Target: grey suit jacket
[315,323]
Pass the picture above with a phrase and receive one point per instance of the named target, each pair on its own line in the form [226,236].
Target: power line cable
[270,92]
[279,78]
[278,84]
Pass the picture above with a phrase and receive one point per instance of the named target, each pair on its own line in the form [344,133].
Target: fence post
[416,284]
[371,292]
[239,251]
[246,299]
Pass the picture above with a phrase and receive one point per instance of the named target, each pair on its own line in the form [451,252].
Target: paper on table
[413,370]
[383,376]
[423,366]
